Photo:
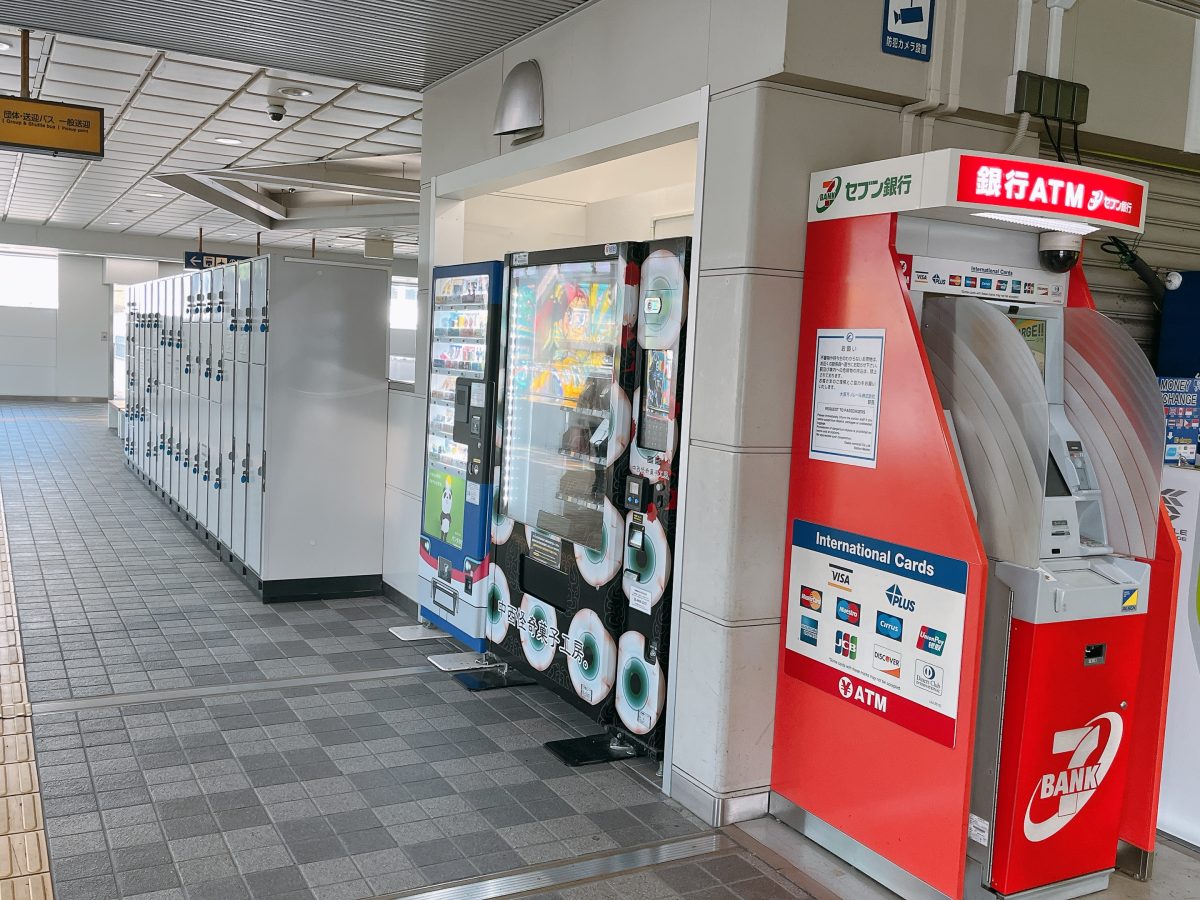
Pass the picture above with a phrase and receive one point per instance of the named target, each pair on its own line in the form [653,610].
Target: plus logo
[867,697]
[1067,792]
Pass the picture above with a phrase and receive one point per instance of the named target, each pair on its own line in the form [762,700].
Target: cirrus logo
[829,193]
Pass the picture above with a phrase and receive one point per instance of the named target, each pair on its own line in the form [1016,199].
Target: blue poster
[908,28]
[1183,419]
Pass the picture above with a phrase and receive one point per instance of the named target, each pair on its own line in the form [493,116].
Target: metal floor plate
[410,633]
[461,662]
[562,874]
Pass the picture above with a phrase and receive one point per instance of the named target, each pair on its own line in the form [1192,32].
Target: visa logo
[849,611]
[889,626]
[839,577]
[931,640]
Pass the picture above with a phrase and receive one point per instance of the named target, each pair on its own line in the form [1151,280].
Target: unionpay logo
[1058,797]
[896,598]
[810,598]
[931,640]
[889,626]
[849,611]
[808,630]
[845,644]
[828,193]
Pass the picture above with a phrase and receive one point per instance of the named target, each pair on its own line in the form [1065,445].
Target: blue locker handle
[262,327]
[216,485]
[187,370]
[162,446]
[246,327]
[204,476]
[195,470]
[218,376]
[208,373]
[233,326]
[245,479]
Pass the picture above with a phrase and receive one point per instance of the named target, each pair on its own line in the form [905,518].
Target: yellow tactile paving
[27,887]
[24,860]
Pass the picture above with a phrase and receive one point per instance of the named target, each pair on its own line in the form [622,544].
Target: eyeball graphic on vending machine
[620,420]
[641,688]
[539,633]
[648,566]
[502,525]
[599,566]
[664,300]
[592,657]
[498,605]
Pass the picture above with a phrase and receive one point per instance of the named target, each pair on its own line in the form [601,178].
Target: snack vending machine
[979,592]
[455,548]
[585,522]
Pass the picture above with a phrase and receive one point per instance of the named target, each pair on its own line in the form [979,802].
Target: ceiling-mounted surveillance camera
[1058,251]
[1174,281]
[276,111]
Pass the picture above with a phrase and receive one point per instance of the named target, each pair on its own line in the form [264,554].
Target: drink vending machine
[979,591]
[455,542]
[585,522]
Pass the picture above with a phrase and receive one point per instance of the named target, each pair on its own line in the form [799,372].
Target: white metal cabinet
[240,472]
[259,316]
[256,469]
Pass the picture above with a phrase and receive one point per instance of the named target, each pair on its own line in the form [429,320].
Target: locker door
[196,359]
[242,313]
[255,486]
[201,463]
[213,486]
[227,463]
[191,403]
[185,334]
[238,474]
[157,438]
[205,361]
[259,294]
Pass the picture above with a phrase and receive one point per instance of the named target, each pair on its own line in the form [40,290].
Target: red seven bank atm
[977,609]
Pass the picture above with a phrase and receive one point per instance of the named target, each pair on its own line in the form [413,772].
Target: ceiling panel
[403,43]
[168,111]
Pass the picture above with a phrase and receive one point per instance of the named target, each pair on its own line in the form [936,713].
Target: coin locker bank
[978,596]
[257,410]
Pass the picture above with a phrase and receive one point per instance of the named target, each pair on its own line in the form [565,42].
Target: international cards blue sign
[908,28]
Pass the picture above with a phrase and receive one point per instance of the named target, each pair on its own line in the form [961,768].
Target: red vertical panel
[901,794]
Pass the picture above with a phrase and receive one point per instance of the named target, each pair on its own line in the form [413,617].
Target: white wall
[84,324]
[28,351]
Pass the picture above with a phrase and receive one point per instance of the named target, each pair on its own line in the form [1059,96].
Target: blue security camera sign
[908,28]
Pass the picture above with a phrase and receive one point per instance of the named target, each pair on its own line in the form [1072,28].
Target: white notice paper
[846,387]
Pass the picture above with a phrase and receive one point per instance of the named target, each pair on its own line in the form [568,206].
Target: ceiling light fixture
[229,141]
[5,45]
[293,91]
[155,195]
[1042,223]
[118,224]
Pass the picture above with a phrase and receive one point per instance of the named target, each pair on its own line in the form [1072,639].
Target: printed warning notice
[879,625]
[846,389]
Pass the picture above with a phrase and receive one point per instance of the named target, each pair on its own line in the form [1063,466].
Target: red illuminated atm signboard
[1036,187]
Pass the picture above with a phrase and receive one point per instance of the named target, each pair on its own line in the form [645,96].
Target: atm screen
[1034,333]
[658,392]
[1056,485]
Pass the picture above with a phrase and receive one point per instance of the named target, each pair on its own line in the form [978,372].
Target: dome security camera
[1058,251]
[276,111]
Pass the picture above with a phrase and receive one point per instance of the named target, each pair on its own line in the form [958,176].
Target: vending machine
[585,522]
[455,542]
[979,589]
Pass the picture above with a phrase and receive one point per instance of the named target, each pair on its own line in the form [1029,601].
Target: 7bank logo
[896,597]
[829,193]
[864,695]
[1069,790]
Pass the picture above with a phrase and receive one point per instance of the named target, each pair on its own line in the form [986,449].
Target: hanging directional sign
[908,28]
[55,129]
[193,259]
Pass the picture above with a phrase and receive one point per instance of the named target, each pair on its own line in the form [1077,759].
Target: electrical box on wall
[1051,98]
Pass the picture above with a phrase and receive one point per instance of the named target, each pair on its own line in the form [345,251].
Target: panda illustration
[447,506]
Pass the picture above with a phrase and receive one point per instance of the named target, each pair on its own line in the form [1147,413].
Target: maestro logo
[828,193]
[1058,797]
[848,611]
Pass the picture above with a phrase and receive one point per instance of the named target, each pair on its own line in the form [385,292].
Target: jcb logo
[1074,786]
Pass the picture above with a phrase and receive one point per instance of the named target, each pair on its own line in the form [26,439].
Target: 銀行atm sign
[1031,186]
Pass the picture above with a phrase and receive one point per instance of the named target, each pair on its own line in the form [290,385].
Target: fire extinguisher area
[602,449]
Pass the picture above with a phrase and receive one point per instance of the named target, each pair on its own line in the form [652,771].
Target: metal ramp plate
[423,632]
